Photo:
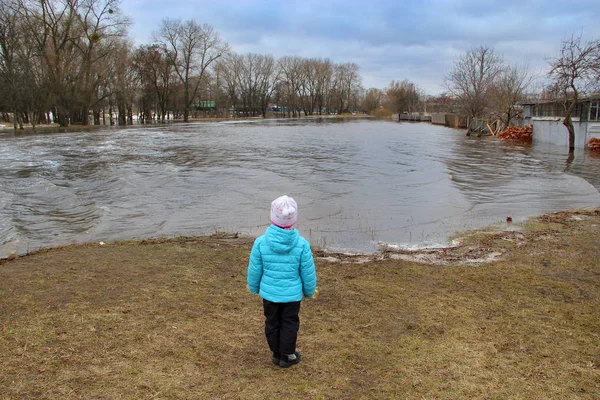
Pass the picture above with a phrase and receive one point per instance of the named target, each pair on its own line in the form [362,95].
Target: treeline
[70,62]
[62,58]
[484,86]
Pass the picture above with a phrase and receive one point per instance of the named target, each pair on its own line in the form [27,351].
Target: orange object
[523,133]
[594,144]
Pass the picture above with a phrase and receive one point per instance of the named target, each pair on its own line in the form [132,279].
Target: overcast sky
[388,40]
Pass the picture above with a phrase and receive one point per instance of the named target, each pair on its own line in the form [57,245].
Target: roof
[591,97]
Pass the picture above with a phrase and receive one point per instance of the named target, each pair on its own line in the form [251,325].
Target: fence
[414,117]
[449,120]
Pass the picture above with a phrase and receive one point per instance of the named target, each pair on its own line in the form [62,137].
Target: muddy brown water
[358,183]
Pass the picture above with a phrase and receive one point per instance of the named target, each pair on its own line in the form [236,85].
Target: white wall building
[547,116]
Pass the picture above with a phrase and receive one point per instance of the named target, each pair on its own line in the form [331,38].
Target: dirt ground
[504,314]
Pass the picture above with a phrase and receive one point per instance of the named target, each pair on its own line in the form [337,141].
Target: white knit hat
[284,212]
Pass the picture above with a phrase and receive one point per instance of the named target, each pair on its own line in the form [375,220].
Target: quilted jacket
[281,267]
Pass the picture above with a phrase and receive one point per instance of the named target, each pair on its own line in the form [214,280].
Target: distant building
[205,106]
[444,110]
[547,116]
[440,104]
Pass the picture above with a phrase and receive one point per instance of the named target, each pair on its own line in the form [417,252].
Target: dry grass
[173,320]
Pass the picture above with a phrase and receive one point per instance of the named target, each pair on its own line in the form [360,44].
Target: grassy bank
[173,319]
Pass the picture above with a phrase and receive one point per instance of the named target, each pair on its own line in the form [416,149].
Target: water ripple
[357,183]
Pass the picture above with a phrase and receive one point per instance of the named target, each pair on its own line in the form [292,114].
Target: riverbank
[8,129]
[173,319]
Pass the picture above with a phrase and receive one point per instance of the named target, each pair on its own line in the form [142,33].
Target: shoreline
[7,128]
[463,249]
[173,318]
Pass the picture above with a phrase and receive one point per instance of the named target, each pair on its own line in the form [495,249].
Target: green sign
[205,105]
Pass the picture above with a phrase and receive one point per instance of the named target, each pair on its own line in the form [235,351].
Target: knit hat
[284,212]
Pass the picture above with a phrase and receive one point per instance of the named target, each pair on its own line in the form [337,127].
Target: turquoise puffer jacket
[281,267]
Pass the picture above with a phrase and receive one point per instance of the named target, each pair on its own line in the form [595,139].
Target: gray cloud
[414,40]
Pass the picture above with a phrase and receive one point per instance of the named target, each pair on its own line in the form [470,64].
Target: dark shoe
[276,358]
[286,362]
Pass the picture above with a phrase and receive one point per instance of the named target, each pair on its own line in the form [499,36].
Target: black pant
[281,326]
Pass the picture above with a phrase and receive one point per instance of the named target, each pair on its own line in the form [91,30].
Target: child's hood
[281,240]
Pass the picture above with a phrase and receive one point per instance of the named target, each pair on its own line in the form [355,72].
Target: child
[282,270]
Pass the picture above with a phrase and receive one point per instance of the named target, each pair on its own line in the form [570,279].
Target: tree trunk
[85,116]
[469,122]
[186,108]
[122,115]
[32,117]
[63,118]
[568,122]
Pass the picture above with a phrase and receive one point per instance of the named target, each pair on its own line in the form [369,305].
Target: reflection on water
[357,182]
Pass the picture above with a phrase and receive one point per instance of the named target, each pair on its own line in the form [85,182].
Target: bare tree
[21,75]
[229,69]
[346,80]
[574,72]
[216,90]
[31,92]
[252,81]
[373,100]
[402,96]
[70,58]
[193,48]
[472,78]
[508,89]
[123,84]
[10,75]
[256,80]
[267,78]
[73,41]
[102,30]
[292,75]
[309,85]
[155,72]
[324,74]
[50,28]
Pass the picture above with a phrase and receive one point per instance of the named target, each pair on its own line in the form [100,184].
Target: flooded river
[357,182]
